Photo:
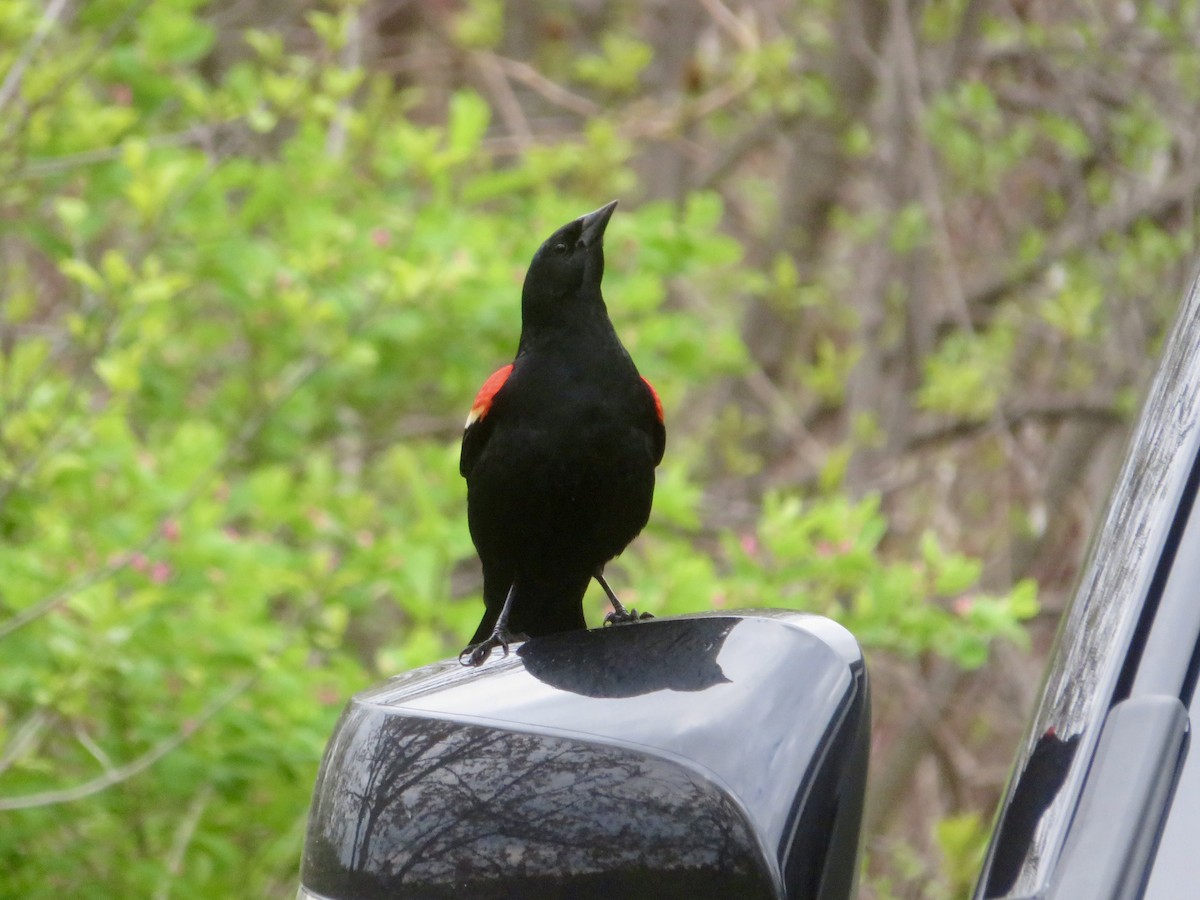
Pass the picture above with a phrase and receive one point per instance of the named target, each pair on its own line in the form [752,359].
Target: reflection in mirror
[1040,781]
[434,808]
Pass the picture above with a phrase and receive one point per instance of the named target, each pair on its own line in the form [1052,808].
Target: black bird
[559,450]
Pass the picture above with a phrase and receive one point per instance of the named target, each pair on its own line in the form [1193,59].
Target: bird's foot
[477,654]
[623,616]
[619,615]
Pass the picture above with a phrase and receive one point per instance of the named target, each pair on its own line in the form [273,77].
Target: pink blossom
[160,572]
[327,695]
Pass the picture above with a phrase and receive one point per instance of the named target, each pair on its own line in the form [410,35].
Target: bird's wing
[478,427]
[659,431]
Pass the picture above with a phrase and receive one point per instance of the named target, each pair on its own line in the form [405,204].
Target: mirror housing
[714,755]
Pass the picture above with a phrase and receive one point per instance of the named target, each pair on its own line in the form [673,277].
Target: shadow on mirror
[631,660]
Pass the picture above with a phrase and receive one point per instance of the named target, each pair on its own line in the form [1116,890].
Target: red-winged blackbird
[559,450]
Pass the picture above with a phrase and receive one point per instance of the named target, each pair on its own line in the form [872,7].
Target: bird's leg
[619,615]
[499,637]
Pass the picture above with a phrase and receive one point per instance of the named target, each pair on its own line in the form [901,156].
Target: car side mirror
[700,756]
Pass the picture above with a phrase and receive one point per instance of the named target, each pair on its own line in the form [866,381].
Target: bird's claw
[625,616]
[477,654]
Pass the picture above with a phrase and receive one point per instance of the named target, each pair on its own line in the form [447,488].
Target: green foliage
[963,842]
[825,556]
[968,373]
[241,318]
[1076,309]
[618,65]
[976,143]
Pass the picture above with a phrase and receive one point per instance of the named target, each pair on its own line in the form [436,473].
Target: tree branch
[1098,410]
[12,80]
[137,765]
[1153,204]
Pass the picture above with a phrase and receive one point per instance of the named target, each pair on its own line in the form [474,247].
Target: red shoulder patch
[657,403]
[483,400]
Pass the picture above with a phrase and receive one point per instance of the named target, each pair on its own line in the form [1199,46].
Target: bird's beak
[594,224]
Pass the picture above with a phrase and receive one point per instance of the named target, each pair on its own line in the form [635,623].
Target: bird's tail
[539,608]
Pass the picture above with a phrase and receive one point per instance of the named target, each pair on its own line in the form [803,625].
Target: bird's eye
[560,249]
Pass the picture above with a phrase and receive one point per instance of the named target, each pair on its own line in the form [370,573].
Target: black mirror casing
[701,756]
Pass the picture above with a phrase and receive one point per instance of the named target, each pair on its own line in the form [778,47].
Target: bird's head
[567,269]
